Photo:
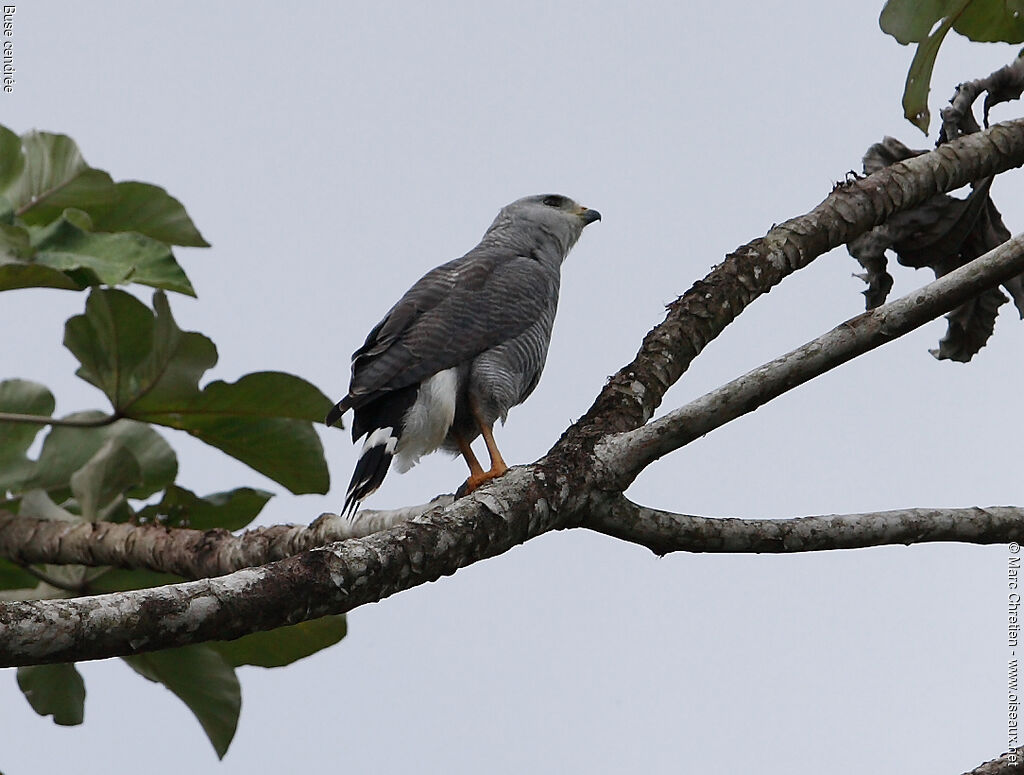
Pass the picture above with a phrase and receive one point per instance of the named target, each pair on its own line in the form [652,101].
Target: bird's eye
[554,201]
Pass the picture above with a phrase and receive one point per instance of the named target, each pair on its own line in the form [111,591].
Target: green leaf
[911,21]
[17,270]
[13,577]
[150,370]
[52,176]
[149,210]
[67,449]
[18,274]
[230,510]
[18,396]
[54,690]
[130,355]
[919,78]
[69,245]
[264,420]
[14,243]
[284,645]
[108,474]
[992,21]
[204,681]
[38,504]
[12,161]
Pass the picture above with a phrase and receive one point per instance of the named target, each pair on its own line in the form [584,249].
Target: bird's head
[544,218]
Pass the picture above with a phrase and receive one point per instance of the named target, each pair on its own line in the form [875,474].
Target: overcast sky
[332,154]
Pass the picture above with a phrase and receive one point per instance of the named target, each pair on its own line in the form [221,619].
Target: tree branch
[331,580]
[627,454]
[663,531]
[192,554]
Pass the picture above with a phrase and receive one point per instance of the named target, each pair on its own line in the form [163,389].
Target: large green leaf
[19,274]
[132,355]
[264,419]
[231,510]
[67,449]
[992,21]
[52,176]
[54,690]
[150,370]
[284,645]
[911,21]
[18,396]
[109,473]
[149,210]
[70,245]
[204,681]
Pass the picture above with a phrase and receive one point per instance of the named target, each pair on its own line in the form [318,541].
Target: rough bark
[331,580]
[192,554]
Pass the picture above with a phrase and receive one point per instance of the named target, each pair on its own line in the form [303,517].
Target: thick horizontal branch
[193,554]
[331,580]
[663,531]
[627,454]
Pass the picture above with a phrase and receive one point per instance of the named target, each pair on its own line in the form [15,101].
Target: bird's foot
[475,480]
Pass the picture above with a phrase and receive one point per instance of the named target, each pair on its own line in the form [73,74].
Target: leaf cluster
[927,22]
[66,225]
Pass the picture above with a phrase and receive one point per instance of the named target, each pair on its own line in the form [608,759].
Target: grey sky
[332,154]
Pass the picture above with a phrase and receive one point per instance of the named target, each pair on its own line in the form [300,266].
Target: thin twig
[33,419]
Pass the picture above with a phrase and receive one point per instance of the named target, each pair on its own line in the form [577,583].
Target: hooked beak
[588,216]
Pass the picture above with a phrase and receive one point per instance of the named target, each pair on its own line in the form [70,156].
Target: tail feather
[371,468]
[381,422]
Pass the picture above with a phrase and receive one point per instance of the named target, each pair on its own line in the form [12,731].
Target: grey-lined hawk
[465,344]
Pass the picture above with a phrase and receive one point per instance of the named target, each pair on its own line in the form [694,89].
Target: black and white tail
[380,421]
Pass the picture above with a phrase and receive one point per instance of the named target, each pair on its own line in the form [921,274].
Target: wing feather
[452,314]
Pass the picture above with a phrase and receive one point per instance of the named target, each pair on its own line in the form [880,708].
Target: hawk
[464,345]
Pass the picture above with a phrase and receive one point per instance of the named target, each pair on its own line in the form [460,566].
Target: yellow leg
[498,466]
[477,475]
[475,469]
